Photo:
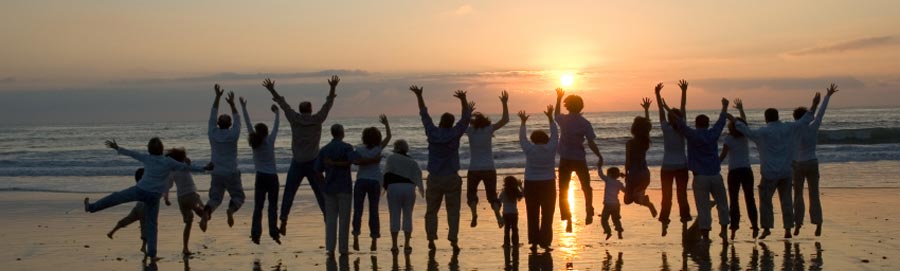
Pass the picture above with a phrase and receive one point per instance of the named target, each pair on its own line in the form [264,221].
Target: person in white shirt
[266,186]
[223,138]
[806,167]
[540,180]
[481,162]
[674,168]
[509,200]
[611,206]
[775,143]
[189,201]
[402,177]
[740,174]
[369,181]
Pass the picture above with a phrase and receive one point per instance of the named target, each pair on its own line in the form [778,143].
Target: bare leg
[356,242]
[187,237]
[113,231]
[407,235]
[394,247]
[374,246]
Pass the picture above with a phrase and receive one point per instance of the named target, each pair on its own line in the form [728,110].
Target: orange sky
[92,55]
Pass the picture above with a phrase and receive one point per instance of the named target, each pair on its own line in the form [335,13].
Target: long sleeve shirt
[337,177]
[703,146]
[156,170]
[264,154]
[540,160]
[223,143]
[775,143]
[443,143]
[673,147]
[809,135]
[306,129]
[574,130]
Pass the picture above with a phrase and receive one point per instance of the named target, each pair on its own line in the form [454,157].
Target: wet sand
[49,231]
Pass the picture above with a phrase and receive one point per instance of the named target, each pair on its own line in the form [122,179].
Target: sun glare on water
[567,79]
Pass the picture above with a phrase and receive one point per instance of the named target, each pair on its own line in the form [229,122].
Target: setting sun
[567,79]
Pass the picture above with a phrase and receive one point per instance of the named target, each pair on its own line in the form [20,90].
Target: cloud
[463,10]
[7,80]
[232,76]
[782,83]
[844,46]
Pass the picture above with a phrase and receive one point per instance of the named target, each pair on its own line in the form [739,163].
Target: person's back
[337,177]
[369,171]
[775,145]
[612,188]
[183,181]
[540,159]
[443,149]
[156,171]
[638,155]
[510,203]
[738,151]
[481,154]
[223,145]
[574,129]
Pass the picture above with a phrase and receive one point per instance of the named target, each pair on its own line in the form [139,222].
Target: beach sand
[50,231]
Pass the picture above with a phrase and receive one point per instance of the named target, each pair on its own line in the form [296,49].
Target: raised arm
[235,130]
[423,110]
[684,86]
[724,153]
[720,123]
[739,105]
[269,84]
[274,132]
[329,101]
[554,132]
[742,127]
[821,113]
[504,98]
[662,112]
[466,116]
[523,138]
[123,151]
[246,115]
[214,113]
[646,105]
[559,95]
[387,130]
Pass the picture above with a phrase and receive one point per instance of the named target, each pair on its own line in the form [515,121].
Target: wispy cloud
[464,10]
[844,46]
[232,76]
[780,84]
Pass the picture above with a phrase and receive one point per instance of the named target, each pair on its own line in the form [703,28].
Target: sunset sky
[96,61]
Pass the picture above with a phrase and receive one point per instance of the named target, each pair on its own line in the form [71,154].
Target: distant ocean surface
[59,154]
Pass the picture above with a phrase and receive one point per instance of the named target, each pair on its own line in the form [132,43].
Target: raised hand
[646,103]
[683,85]
[658,88]
[275,109]
[504,97]
[729,117]
[832,89]
[724,103]
[230,98]
[269,84]
[817,98]
[333,81]
[112,144]
[471,106]
[243,101]
[738,104]
[662,102]
[460,94]
[523,116]
[383,119]
[560,93]
[219,90]
[549,112]
[416,89]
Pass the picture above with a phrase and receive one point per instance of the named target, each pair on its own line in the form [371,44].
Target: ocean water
[73,157]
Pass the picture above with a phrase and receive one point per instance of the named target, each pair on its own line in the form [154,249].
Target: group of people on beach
[786,152]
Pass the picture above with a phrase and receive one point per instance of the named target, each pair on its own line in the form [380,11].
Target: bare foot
[374,246]
[569,225]
[230,218]
[474,221]
[186,252]
[652,210]
[356,242]
[87,203]
[395,249]
[455,246]
[255,240]
[787,234]
[620,235]
[608,235]
[277,240]
[755,233]
[797,229]
[819,229]
[110,235]
[765,234]
[204,222]
[283,229]
[665,229]
[733,233]
[431,245]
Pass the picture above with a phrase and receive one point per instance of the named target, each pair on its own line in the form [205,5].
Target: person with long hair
[481,162]
[402,177]
[637,174]
[189,201]
[574,131]
[509,200]
[806,167]
[540,183]
[266,186]
[674,165]
[368,181]
[740,174]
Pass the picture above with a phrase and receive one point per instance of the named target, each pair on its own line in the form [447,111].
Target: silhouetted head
[701,122]
[224,121]
[155,146]
[138,174]
[613,172]
[511,187]
[401,147]
[672,117]
[539,137]
[177,154]
[447,120]
[771,115]
[337,131]
[640,128]
[371,137]
[259,134]
[799,112]
[733,131]
[480,121]
[573,103]
[305,107]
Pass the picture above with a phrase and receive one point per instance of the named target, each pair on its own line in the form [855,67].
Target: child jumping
[509,198]
[136,214]
[189,201]
[611,206]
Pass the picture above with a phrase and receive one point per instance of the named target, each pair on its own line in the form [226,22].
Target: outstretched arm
[559,95]
[387,129]
[821,113]
[523,138]
[235,130]
[246,115]
[423,111]
[269,84]
[215,109]
[739,105]
[662,112]
[684,86]
[466,116]
[720,123]
[646,105]
[274,133]
[504,98]
[329,101]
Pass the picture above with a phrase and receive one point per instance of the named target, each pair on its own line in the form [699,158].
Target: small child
[611,206]
[136,214]
[189,201]
[512,193]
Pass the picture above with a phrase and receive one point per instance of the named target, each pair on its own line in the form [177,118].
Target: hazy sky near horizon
[66,61]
